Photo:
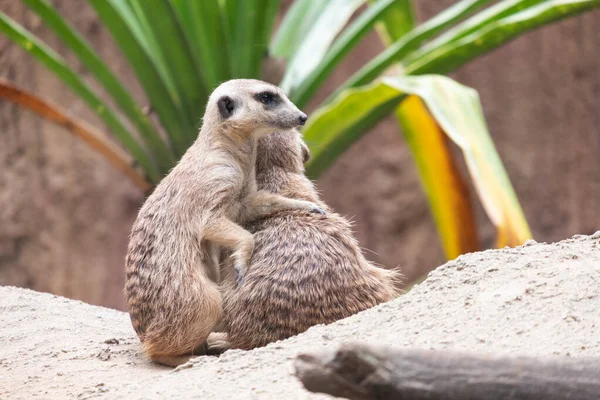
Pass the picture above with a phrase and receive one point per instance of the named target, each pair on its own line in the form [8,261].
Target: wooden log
[363,372]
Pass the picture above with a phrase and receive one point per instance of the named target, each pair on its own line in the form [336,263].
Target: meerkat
[306,269]
[195,212]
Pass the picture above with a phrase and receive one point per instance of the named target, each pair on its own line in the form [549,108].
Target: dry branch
[365,372]
[82,130]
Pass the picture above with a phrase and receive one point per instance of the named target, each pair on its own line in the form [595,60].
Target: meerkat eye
[266,97]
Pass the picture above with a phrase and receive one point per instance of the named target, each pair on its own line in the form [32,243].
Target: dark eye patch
[267,98]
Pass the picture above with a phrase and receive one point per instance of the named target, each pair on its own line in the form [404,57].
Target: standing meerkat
[172,264]
[306,269]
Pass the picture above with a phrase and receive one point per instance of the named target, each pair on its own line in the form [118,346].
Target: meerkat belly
[227,189]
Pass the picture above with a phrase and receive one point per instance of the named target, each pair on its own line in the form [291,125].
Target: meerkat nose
[302,119]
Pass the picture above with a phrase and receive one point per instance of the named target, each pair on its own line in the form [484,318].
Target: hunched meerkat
[172,265]
[306,269]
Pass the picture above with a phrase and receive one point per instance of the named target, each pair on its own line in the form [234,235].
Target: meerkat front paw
[239,271]
[240,265]
[313,207]
[241,257]
[318,210]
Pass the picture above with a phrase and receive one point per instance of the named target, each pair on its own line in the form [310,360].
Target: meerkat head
[253,108]
[280,159]
[282,150]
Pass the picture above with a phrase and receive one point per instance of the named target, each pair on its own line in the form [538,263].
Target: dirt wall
[65,213]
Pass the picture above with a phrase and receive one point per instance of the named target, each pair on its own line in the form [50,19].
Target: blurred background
[65,213]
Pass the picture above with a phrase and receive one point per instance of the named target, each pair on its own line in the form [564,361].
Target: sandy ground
[538,299]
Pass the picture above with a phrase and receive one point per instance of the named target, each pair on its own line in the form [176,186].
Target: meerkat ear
[305,153]
[226,106]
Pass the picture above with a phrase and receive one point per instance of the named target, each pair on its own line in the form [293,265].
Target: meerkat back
[306,269]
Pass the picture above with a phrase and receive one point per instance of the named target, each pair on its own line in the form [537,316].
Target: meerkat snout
[302,119]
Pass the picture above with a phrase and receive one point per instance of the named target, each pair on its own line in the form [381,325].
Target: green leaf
[88,57]
[348,39]
[478,21]
[454,107]
[121,23]
[334,127]
[409,43]
[228,8]
[397,21]
[243,35]
[450,56]
[139,26]
[263,31]
[296,24]
[206,28]
[319,37]
[57,65]
[163,27]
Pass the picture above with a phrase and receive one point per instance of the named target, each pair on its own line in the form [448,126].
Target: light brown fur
[306,269]
[172,264]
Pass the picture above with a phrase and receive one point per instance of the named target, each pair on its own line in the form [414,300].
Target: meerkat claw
[238,274]
[312,207]
[318,210]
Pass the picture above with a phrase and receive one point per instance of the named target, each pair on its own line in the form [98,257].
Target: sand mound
[537,299]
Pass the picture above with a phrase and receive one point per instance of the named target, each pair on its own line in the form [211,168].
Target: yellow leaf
[446,190]
[457,110]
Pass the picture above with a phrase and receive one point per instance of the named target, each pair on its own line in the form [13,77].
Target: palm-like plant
[182,49]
